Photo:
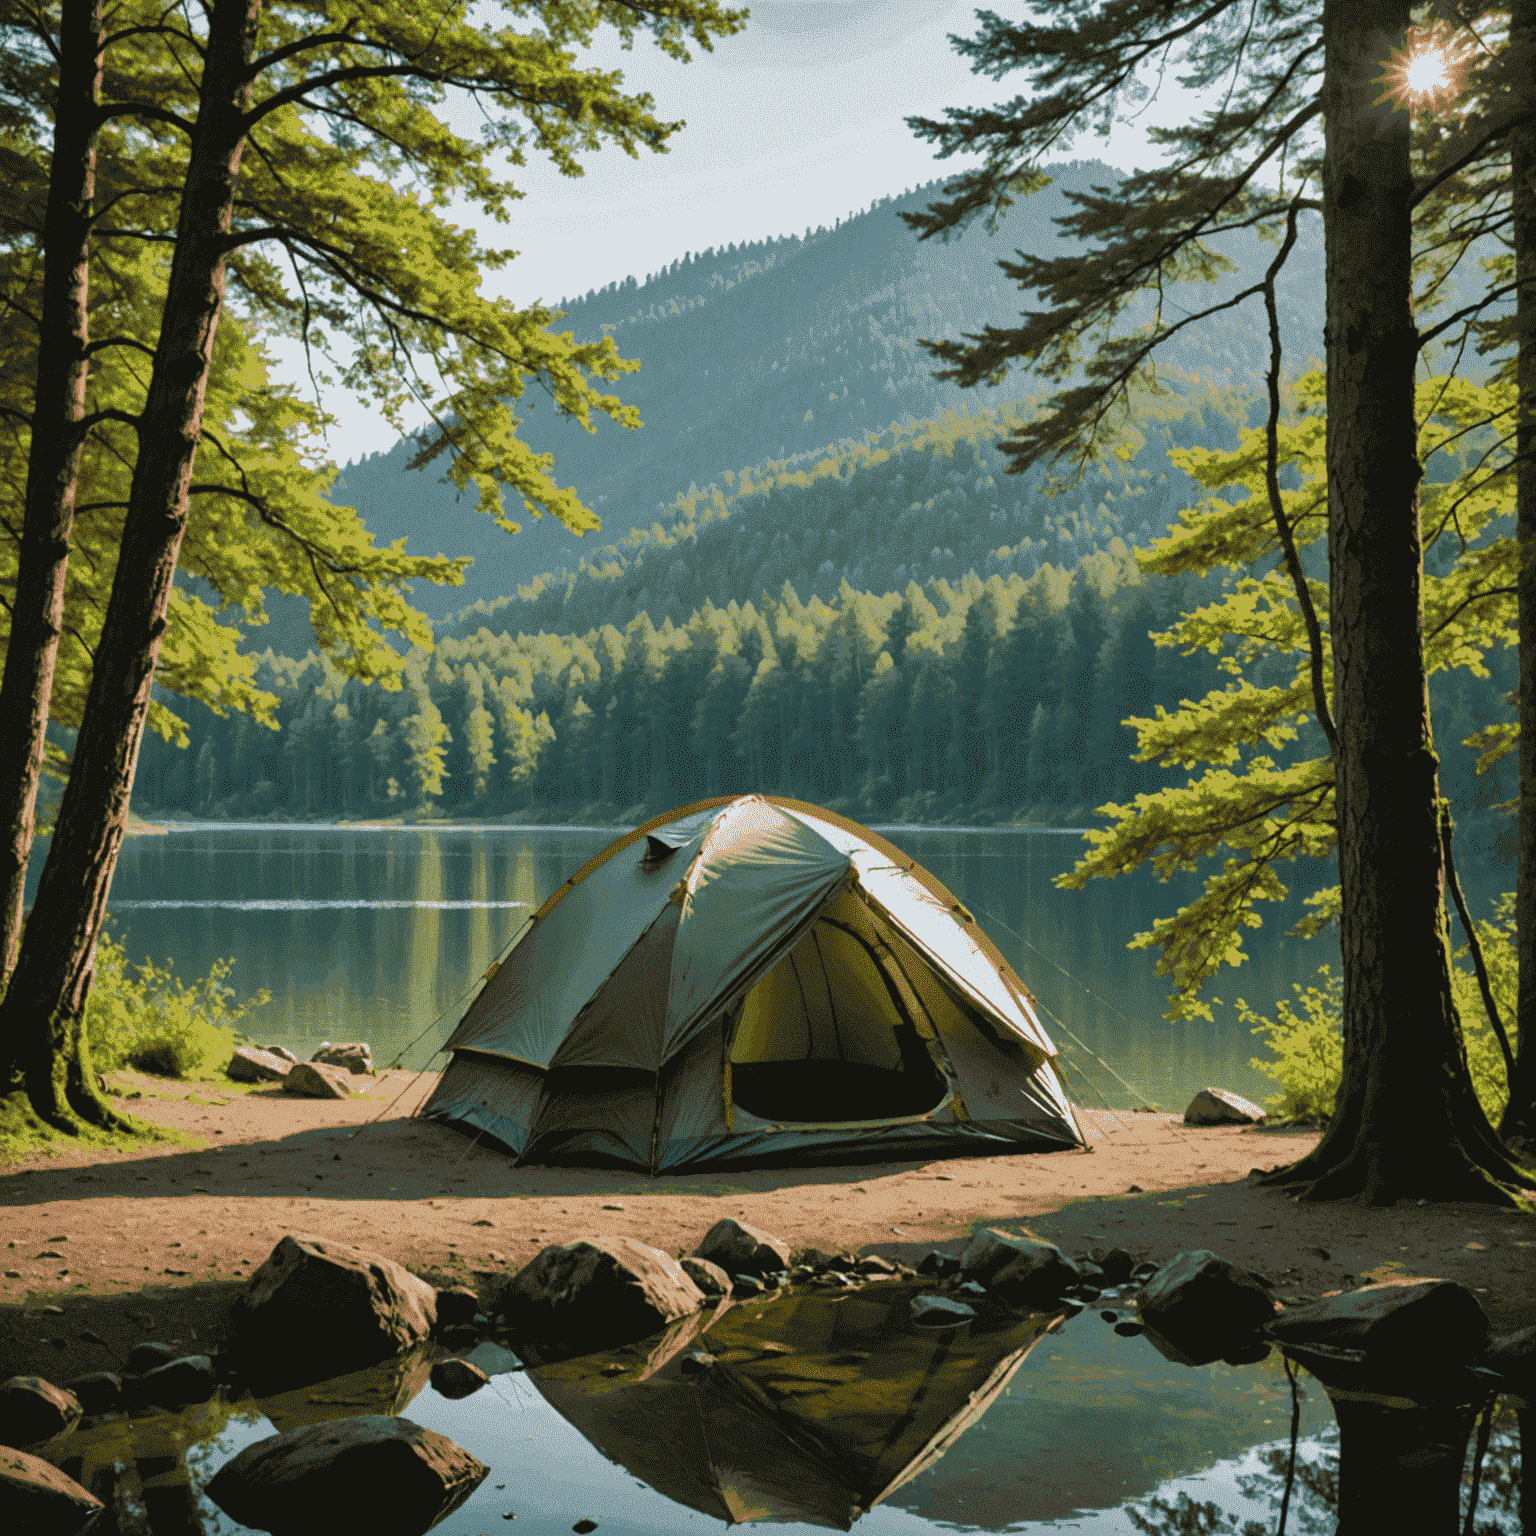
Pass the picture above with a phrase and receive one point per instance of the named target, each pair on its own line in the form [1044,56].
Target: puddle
[820,1410]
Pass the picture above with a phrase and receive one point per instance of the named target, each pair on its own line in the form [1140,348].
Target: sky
[796,121]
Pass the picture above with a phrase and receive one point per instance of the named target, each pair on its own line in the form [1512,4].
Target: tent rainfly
[753,980]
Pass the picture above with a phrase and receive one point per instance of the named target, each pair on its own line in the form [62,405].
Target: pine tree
[1408,1122]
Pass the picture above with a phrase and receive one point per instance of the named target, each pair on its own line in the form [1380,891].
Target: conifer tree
[1407,1122]
[311,137]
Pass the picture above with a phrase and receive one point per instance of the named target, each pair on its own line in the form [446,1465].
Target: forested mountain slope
[785,347]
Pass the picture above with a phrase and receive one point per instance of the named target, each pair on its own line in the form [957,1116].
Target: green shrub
[144,1016]
[1307,1048]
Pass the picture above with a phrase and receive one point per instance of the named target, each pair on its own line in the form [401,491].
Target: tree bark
[1519,1120]
[41,1016]
[53,461]
[1407,1123]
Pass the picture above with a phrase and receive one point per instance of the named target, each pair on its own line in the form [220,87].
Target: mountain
[790,347]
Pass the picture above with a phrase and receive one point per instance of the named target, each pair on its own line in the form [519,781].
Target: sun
[1428,68]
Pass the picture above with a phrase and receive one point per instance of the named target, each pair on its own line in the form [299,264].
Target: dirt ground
[105,1248]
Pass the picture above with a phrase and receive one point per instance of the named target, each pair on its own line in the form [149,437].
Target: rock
[190,1379]
[457,1378]
[709,1278]
[1220,1106]
[456,1305]
[248,1065]
[332,1309]
[315,1080]
[283,1051]
[1429,1322]
[98,1392]
[692,1361]
[1129,1328]
[940,1312]
[742,1250]
[1204,1306]
[596,1293]
[1023,1271]
[747,1285]
[940,1265]
[386,1474]
[148,1356]
[873,1264]
[36,1499]
[356,1057]
[33,1410]
[1117,1265]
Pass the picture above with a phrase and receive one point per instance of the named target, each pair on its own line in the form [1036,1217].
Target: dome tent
[752,979]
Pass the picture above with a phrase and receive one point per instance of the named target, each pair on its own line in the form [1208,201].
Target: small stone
[1220,1106]
[33,1410]
[318,1080]
[457,1378]
[971,1288]
[940,1312]
[742,1250]
[710,1278]
[940,1265]
[37,1497]
[147,1357]
[694,1361]
[873,1264]
[99,1392]
[191,1379]
[1130,1328]
[354,1057]
[614,1207]
[283,1052]
[747,1285]
[583,1526]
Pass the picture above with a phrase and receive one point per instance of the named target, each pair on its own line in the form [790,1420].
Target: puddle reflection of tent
[818,1407]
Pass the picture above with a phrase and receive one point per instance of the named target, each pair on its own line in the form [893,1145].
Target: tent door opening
[824,1037]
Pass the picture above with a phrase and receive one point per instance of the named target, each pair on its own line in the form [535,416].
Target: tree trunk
[53,462]
[1407,1122]
[1519,1122]
[41,1017]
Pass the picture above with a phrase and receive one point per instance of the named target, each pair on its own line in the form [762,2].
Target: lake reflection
[377,934]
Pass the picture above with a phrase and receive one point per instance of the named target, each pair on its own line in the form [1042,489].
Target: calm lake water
[382,934]
[848,1416]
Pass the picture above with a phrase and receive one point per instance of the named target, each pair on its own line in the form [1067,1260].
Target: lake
[381,934]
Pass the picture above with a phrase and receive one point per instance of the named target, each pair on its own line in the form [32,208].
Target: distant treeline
[978,702]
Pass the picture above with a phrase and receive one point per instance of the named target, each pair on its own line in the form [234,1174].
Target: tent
[753,980]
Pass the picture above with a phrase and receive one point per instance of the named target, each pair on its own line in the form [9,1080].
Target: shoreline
[168,1232]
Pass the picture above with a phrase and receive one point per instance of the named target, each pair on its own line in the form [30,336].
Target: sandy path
[95,1223]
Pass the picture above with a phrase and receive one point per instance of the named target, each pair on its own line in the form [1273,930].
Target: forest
[901,632]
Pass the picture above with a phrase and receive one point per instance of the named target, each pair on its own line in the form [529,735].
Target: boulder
[1204,1306]
[1405,1321]
[456,1305]
[742,1250]
[248,1065]
[283,1051]
[940,1312]
[990,1251]
[710,1278]
[596,1293]
[457,1378]
[36,1499]
[191,1379]
[1513,1356]
[1220,1106]
[939,1265]
[372,1473]
[1117,1265]
[1036,1276]
[873,1264]
[147,1356]
[355,1056]
[332,1308]
[33,1410]
[98,1392]
[315,1080]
